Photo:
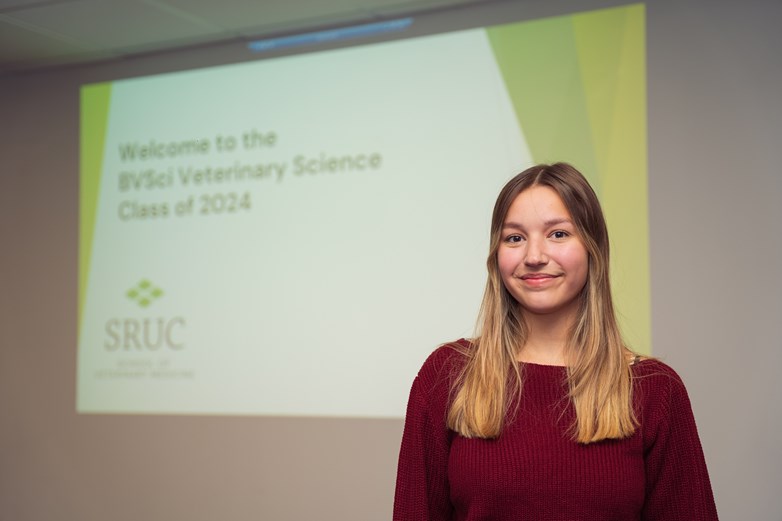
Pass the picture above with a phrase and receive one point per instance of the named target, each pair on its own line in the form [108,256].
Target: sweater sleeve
[677,482]
[422,491]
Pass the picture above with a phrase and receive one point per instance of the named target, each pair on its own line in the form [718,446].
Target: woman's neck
[547,338]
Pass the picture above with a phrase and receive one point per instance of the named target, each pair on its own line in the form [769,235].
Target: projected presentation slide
[293,236]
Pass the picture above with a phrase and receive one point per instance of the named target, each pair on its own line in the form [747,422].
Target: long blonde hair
[598,372]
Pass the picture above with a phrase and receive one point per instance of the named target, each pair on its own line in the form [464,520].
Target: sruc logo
[144,333]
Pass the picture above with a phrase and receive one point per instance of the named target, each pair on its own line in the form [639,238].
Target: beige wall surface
[715,189]
[714,76]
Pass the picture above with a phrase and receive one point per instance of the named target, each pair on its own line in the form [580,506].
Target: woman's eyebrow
[511,224]
[557,220]
[550,222]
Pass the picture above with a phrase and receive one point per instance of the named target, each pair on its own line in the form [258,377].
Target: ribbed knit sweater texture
[534,471]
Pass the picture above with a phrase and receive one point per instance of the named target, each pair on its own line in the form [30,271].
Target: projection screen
[292,236]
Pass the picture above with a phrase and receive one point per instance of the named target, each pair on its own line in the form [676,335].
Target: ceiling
[36,34]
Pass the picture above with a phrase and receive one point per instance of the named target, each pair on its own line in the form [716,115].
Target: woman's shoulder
[663,405]
[656,383]
[647,368]
[445,362]
[447,355]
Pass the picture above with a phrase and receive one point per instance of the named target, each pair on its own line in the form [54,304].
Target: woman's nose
[535,254]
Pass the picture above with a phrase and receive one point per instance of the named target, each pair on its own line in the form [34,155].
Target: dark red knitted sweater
[534,472]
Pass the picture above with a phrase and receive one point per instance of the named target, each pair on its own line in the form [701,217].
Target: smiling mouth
[538,276]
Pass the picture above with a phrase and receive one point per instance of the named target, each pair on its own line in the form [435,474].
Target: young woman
[546,415]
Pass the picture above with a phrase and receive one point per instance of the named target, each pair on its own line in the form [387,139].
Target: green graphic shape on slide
[93,119]
[584,101]
[144,293]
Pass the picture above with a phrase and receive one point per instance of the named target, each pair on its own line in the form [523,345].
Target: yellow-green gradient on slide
[93,120]
[583,101]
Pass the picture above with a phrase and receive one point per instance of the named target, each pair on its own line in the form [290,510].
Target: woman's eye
[513,238]
[559,234]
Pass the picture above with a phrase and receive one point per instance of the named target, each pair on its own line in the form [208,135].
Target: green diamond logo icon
[144,293]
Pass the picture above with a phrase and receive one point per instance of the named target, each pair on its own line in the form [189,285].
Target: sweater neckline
[563,368]
[542,366]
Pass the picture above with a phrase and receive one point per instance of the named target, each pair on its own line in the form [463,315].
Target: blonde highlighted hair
[598,371]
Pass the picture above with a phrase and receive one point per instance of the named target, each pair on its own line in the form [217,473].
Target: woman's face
[542,261]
